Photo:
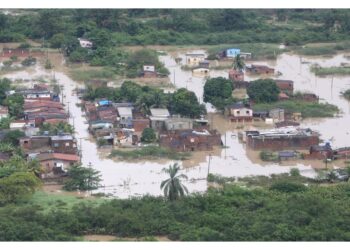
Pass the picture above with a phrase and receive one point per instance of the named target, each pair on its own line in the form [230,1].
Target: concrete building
[282,139]
[194,59]
[158,117]
[4,112]
[178,123]
[239,112]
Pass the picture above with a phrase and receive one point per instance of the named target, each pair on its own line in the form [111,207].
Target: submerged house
[55,164]
[259,69]
[238,112]
[278,139]
[277,114]
[320,152]
[149,71]
[190,140]
[285,86]
[194,59]
[236,75]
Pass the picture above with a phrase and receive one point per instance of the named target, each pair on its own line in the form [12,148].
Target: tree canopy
[218,91]
[263,91]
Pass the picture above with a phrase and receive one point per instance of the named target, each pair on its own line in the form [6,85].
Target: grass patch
[258,50]
[150,152]
[307,109]
[319,50]
[85,75]
[49,202]
[319,71]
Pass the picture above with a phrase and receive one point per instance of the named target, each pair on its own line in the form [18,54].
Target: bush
[288,187]
[29,61]
[148,135]
[294,172]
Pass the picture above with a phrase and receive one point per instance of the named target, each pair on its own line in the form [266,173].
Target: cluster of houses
[54,152]
[41,105]
[122,124]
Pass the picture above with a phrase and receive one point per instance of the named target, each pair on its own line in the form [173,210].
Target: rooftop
[160,113]
[57,156]
[61,137]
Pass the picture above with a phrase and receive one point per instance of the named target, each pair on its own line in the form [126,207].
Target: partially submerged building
[190,140]
[238,112]
[259,69]
[278,139]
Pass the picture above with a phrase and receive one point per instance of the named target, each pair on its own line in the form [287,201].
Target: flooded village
[62,128]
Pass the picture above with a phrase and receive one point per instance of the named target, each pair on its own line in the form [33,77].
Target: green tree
[82,178]
[5,85]
[57,40]
[172,187]
[263,91]
[185,103]
[13,137]
[238,63]
[148,135]
[5,122]
[54,129]
[17,187]
[218,91]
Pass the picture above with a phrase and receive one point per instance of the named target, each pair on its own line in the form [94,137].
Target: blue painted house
[232,52]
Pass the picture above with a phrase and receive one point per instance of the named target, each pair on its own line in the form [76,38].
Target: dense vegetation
[263,91]
[324,71]
[307,109]
[283,211]
[183,101]
[218,91]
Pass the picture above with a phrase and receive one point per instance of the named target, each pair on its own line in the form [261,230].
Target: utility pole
[174,78]
[209,165]
[68,109]
[89,180]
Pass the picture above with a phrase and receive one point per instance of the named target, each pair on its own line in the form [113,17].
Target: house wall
[243,112]
[282,142]
[140,124]
[178,125]
[64,146]
[34,142]
[149,74]
[277,115]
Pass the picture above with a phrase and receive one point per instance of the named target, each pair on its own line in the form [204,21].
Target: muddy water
[125,179]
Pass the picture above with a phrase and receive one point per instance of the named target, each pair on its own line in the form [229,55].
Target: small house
[65,144]
[84,43]
[19,52]
[259,69]
[246,55]
[178,123]
[4,112]
[236,75]
[277,114]
[100,124]
[125,117]
[283,96]
[239,112]
[158,117]
[149,71]
[194,59]
[285,86]
[342,153]
[18,124]
[200,71]
[320,152]
[231,53]
[56,164]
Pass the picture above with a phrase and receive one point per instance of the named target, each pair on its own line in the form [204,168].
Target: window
[238,112]
[247,112]
[67,144]
[56,145]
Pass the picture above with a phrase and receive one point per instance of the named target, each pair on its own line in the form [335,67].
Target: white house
[194,59]
[84,43]
[4,112]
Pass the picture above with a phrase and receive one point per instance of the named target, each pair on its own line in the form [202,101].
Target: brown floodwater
[124,179]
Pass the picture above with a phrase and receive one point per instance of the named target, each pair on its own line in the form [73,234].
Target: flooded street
[124,179]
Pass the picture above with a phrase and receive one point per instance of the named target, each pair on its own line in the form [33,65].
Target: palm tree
[238,63]
[172,187]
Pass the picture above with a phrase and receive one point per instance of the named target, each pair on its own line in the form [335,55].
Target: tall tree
[238,63]
[82,178]
[172,187]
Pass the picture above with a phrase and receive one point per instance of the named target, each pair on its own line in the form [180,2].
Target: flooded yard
[124,179]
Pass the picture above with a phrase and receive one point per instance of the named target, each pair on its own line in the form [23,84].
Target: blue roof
[104,102]
[232,52]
